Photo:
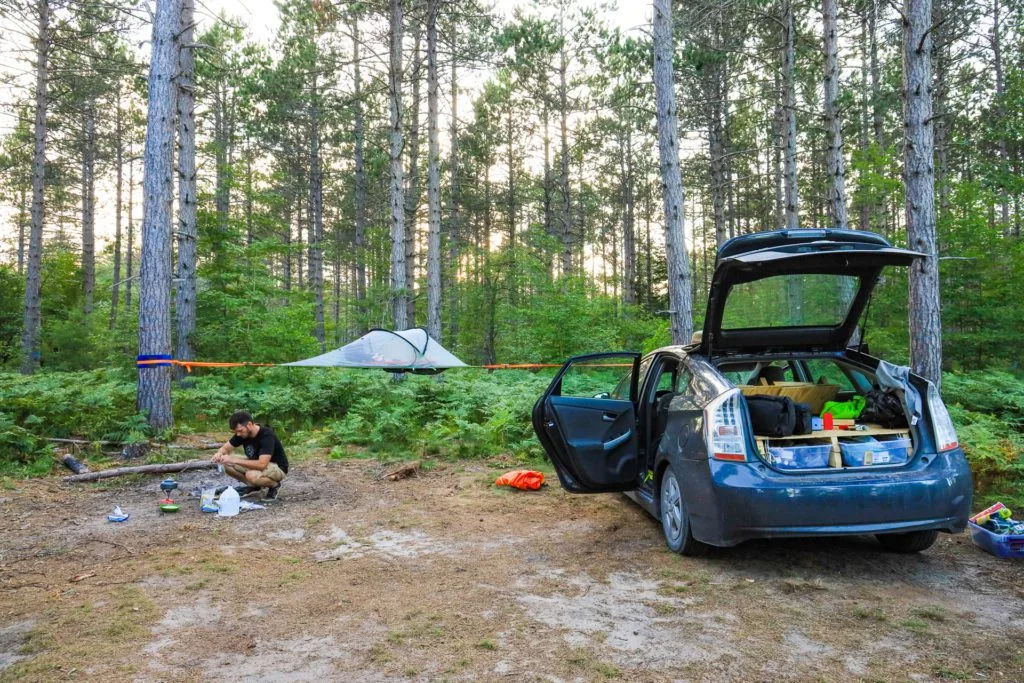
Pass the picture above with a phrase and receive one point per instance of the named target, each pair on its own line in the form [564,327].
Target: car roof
[743,244]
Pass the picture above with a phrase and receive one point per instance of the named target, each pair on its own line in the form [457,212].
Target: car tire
[675,523]
[911,542]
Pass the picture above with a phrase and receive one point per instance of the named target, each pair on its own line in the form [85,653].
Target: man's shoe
[271,494]
[246,490]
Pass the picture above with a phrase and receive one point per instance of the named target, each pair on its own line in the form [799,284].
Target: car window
[596,377]
[621,390]
[792,300]
[825,371]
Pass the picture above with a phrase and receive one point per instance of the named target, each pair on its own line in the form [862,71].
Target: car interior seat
[772,374]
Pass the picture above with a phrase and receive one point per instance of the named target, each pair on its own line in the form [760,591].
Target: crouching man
[264,465]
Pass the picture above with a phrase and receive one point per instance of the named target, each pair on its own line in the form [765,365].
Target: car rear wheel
[674,520]
[912,542]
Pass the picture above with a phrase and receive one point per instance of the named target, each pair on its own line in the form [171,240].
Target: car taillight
[723,428]
[942,424]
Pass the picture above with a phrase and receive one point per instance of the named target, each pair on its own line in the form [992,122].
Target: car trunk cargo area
[819,383]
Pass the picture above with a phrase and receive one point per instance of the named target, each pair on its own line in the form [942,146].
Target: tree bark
[130,251]
[399,292]
[628,225]
[185,300]
[33,275]
[164,468]
[360,176]
[154,388]
[433,181]
[89,207]
[22,210]
[412,194]
[834,163]
[453,229]
[997,67]
[679,280]
[316,215]
[919,180]
[792,200]
[118,206]
[568,237]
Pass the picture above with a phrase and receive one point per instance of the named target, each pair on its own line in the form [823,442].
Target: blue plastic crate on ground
[871,451]
[800,457]
[1008,545]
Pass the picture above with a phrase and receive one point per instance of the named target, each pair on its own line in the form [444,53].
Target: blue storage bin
[1008,545]
[800,457]
[870,451]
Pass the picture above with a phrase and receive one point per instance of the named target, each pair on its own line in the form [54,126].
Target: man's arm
[246,463]
[222,453]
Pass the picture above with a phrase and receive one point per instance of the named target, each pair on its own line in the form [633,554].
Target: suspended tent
[403,351]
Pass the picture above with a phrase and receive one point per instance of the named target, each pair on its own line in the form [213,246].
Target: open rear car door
[789,290]
[586,422]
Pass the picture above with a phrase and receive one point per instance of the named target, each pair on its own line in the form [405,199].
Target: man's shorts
[272,471]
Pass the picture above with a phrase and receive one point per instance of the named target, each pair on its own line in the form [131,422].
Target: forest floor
[442,576]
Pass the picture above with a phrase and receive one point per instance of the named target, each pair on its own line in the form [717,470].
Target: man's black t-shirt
[264,442]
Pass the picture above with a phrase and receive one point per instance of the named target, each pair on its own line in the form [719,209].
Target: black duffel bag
[803,418]
[772,415]
[883,407]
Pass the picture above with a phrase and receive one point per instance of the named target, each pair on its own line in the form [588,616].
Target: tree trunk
[130,251]
[679,281]
[154,389]
[185,300]
[789,118]
[876,77]
[717,156]
[118,205]
[453,230]
[865,208]
[22,210]
[316,215]
[412,195]
[360,177]
[778,123]
[1004,161]
[399,292]
[563,105]
[834,163]
[433,181]
[940,48]
[628,229]
[33,275]
[222,191]
[89,207]
[919,179]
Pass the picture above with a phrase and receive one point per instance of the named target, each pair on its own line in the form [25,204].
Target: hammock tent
[405,351]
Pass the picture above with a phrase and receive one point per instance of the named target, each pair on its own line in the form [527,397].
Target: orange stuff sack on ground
[527,480]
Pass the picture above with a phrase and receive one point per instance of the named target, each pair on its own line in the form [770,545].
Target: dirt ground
[442,576]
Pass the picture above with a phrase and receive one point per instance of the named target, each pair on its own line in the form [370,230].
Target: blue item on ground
[867,450]
[800,457]
[1000,545]
[118,515]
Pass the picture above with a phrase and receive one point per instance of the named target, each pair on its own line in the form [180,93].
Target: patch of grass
[379,654]
[198,585]
[606,670]
[932,613]
[873,614]
[487,644]
[951,674]
[915,625]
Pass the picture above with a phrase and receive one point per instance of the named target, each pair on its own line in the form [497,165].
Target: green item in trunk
[845,410]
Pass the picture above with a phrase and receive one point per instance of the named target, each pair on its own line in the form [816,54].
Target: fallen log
[404,471]
[74,464]
[142,469]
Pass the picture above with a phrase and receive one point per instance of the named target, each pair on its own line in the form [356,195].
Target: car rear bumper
[733,502]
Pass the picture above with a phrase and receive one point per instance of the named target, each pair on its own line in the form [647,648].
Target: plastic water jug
[229,503]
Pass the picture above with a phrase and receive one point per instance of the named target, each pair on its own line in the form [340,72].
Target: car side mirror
[603,394]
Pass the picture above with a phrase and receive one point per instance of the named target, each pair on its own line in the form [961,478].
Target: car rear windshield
[797,300]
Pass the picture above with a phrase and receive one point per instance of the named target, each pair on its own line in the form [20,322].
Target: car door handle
[618,441]
[608,417]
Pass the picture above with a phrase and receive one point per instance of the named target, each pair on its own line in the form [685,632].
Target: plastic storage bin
[871,451]
[799,457]
[1008,545]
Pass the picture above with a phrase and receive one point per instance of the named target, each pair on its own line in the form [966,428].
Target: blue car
[673,429]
